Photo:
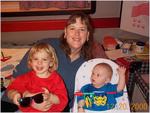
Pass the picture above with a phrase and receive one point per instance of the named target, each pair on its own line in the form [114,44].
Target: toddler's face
[40,63]
[100,76]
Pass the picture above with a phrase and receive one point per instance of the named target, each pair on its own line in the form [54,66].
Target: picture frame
[45,8]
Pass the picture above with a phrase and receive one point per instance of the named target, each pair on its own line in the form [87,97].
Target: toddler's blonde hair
[49,49]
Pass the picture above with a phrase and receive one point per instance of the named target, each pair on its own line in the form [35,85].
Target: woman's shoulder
[50,40]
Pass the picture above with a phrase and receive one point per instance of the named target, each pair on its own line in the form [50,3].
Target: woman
[72,49]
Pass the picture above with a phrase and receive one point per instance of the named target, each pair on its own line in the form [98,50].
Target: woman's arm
[21,68]
[98,51]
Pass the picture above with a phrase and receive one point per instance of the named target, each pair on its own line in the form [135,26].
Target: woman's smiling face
[76,34]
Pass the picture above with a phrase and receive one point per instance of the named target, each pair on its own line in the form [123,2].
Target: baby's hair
[49,49]
[106,66]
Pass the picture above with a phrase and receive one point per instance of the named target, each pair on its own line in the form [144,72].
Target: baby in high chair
[100,94]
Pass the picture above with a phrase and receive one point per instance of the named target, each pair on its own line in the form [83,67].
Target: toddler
[31,90]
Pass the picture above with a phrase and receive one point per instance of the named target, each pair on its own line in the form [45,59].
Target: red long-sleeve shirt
[32,83]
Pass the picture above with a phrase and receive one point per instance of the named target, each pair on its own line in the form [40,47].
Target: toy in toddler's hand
[26,101]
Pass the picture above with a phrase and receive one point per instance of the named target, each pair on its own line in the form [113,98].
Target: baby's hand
[81,109]
[121,71]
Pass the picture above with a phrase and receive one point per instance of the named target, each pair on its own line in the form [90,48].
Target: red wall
[39,25]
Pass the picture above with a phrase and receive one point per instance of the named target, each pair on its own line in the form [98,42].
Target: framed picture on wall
[135,17]
[41,8]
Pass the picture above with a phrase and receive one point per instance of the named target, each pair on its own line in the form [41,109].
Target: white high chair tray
[83,78]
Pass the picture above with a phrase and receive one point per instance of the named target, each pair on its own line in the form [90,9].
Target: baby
[100,94]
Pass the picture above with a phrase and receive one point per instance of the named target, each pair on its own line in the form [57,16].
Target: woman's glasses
[26,101]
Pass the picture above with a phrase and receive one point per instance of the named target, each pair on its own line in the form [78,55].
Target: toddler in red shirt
[32,90]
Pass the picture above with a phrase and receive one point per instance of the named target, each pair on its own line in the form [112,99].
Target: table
[7,68]
[9,65]
[117,53]
[137,71]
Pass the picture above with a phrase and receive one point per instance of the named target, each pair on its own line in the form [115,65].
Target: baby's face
[100,76]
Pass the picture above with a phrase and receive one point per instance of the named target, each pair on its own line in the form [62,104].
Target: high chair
[83,77]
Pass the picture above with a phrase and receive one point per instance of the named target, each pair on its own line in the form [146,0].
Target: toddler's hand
[27,94]
[46,94]
[16,98]
[46,104]
[52,98]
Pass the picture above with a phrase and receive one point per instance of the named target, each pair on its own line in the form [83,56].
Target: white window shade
[135,17]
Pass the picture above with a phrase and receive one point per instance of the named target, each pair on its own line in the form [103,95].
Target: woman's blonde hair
[49,49]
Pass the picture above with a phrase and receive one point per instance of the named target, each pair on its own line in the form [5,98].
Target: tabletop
[14,56]
[117,53]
